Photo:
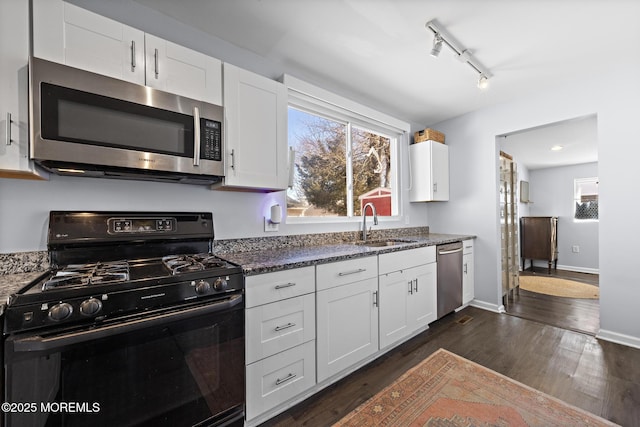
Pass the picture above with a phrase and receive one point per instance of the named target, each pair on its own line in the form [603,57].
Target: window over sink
[343,160]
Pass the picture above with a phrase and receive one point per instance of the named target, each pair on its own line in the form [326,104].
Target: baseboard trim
[487,306]
[628,340]
[579,269]
[588,270]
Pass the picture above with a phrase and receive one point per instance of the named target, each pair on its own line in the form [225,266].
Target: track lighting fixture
[437,45]
[440,37]
[483,82]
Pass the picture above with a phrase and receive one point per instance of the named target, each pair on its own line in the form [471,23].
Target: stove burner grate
[74,275]
[177,264]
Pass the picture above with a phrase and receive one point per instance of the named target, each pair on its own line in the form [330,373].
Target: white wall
[473,206]
[552,193]
[25,205]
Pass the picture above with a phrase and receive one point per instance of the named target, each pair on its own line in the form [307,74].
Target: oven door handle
[39,343]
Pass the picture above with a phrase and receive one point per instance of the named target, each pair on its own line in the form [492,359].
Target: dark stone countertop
[10,283]
[258,262]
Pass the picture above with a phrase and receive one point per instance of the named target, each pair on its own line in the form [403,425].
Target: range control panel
[141,225]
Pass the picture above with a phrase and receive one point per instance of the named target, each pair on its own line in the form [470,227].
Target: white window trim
[315,100]
[576,182]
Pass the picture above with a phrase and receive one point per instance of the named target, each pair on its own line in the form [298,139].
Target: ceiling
[532,148]
[377,51]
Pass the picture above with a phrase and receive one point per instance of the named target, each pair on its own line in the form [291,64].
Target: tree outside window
[339,167]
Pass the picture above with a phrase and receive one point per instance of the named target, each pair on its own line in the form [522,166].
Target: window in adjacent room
[585,199]
[341,163]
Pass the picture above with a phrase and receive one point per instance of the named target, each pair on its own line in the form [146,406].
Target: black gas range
[109,264]
[136,302]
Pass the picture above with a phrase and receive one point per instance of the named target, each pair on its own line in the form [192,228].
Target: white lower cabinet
[276,379]
[468,286]
[280,338]
[407,293]
[347,314]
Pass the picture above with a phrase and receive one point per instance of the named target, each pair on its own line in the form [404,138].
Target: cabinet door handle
[465,268]
[347,273]
[286,285]
[133,55]
[285,379]
[155,63]
[435,187]
[9,121]
[233,159]
[283,327]
[410,282]
[196,136]
[416,285]
[375,298]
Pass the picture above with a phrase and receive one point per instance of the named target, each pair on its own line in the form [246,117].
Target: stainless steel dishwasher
[449,277]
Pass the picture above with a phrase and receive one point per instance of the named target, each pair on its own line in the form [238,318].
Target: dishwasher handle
[449,252]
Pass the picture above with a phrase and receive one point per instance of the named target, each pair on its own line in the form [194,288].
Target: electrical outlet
[575,249]
[270,226]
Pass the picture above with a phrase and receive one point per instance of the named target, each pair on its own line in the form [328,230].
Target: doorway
[548,161]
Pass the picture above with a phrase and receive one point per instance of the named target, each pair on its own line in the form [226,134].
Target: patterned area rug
[559,287]
[448,390]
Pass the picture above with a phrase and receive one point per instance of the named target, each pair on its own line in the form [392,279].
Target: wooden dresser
[539,239]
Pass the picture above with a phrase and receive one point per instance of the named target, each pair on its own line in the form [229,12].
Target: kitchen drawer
[280,325]
[278,378]
[402,260]
[467,246]
[270,287]
[343,272]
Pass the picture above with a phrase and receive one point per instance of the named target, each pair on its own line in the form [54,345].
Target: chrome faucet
[364,219]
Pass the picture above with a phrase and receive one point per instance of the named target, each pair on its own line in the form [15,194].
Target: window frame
[312,100]
[576,184]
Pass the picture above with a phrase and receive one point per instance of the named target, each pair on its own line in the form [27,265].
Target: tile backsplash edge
[27,262]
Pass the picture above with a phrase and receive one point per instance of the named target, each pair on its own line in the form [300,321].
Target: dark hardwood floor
[598,376]
[581,315]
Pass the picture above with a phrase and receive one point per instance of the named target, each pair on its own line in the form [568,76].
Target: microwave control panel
[211,140]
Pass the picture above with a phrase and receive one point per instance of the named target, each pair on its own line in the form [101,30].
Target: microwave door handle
[196,136]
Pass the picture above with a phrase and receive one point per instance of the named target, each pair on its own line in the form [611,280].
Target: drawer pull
[286,285]
[285,379]
[287,326]
[346,273]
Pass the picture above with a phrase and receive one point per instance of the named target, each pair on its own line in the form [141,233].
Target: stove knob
[220,284]
[90,307]
[203,287]
[60,311]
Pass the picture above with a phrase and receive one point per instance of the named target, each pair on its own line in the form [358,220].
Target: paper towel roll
[276,214]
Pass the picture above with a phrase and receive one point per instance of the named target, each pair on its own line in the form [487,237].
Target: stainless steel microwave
[82,123]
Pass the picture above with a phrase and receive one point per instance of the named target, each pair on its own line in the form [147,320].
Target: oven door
[181,367]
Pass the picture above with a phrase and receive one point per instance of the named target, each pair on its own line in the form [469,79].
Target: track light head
[437,45]
[483,82]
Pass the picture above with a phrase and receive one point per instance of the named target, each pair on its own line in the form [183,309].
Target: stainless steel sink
[385,242]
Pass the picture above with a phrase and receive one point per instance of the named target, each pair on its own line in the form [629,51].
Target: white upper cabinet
[14,111]
[70,35]
[255,131]
[176,69]
[429,172]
